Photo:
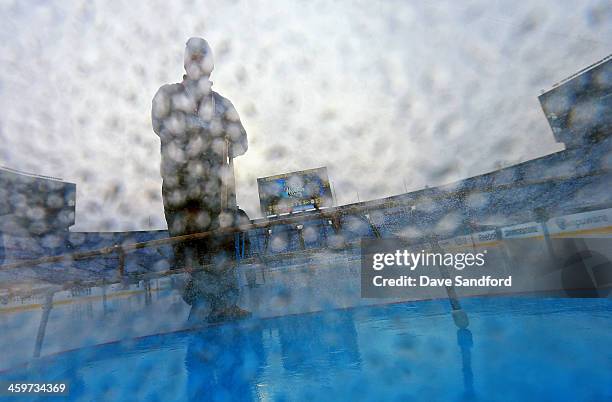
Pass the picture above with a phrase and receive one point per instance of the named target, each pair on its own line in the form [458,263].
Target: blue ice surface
[516,349]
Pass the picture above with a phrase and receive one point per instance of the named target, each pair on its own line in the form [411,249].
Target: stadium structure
[571,181]
[36,213]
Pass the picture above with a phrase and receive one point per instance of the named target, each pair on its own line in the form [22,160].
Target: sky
[391,96]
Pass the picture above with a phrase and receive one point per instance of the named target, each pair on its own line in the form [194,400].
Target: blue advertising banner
[295,191]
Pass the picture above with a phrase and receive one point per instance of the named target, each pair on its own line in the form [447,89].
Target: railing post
[121,256]
[300,230]
[459,316]
[147,288]
[508,261]
[541,216]
[104,306]
[42,326]
[267,240]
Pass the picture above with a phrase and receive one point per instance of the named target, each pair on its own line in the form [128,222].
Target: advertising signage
[296,191]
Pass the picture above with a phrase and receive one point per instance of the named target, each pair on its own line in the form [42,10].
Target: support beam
[42,326]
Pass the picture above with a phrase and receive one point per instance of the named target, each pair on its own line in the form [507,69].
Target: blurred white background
[390,96]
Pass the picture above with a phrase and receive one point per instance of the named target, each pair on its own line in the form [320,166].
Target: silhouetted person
[200,133]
